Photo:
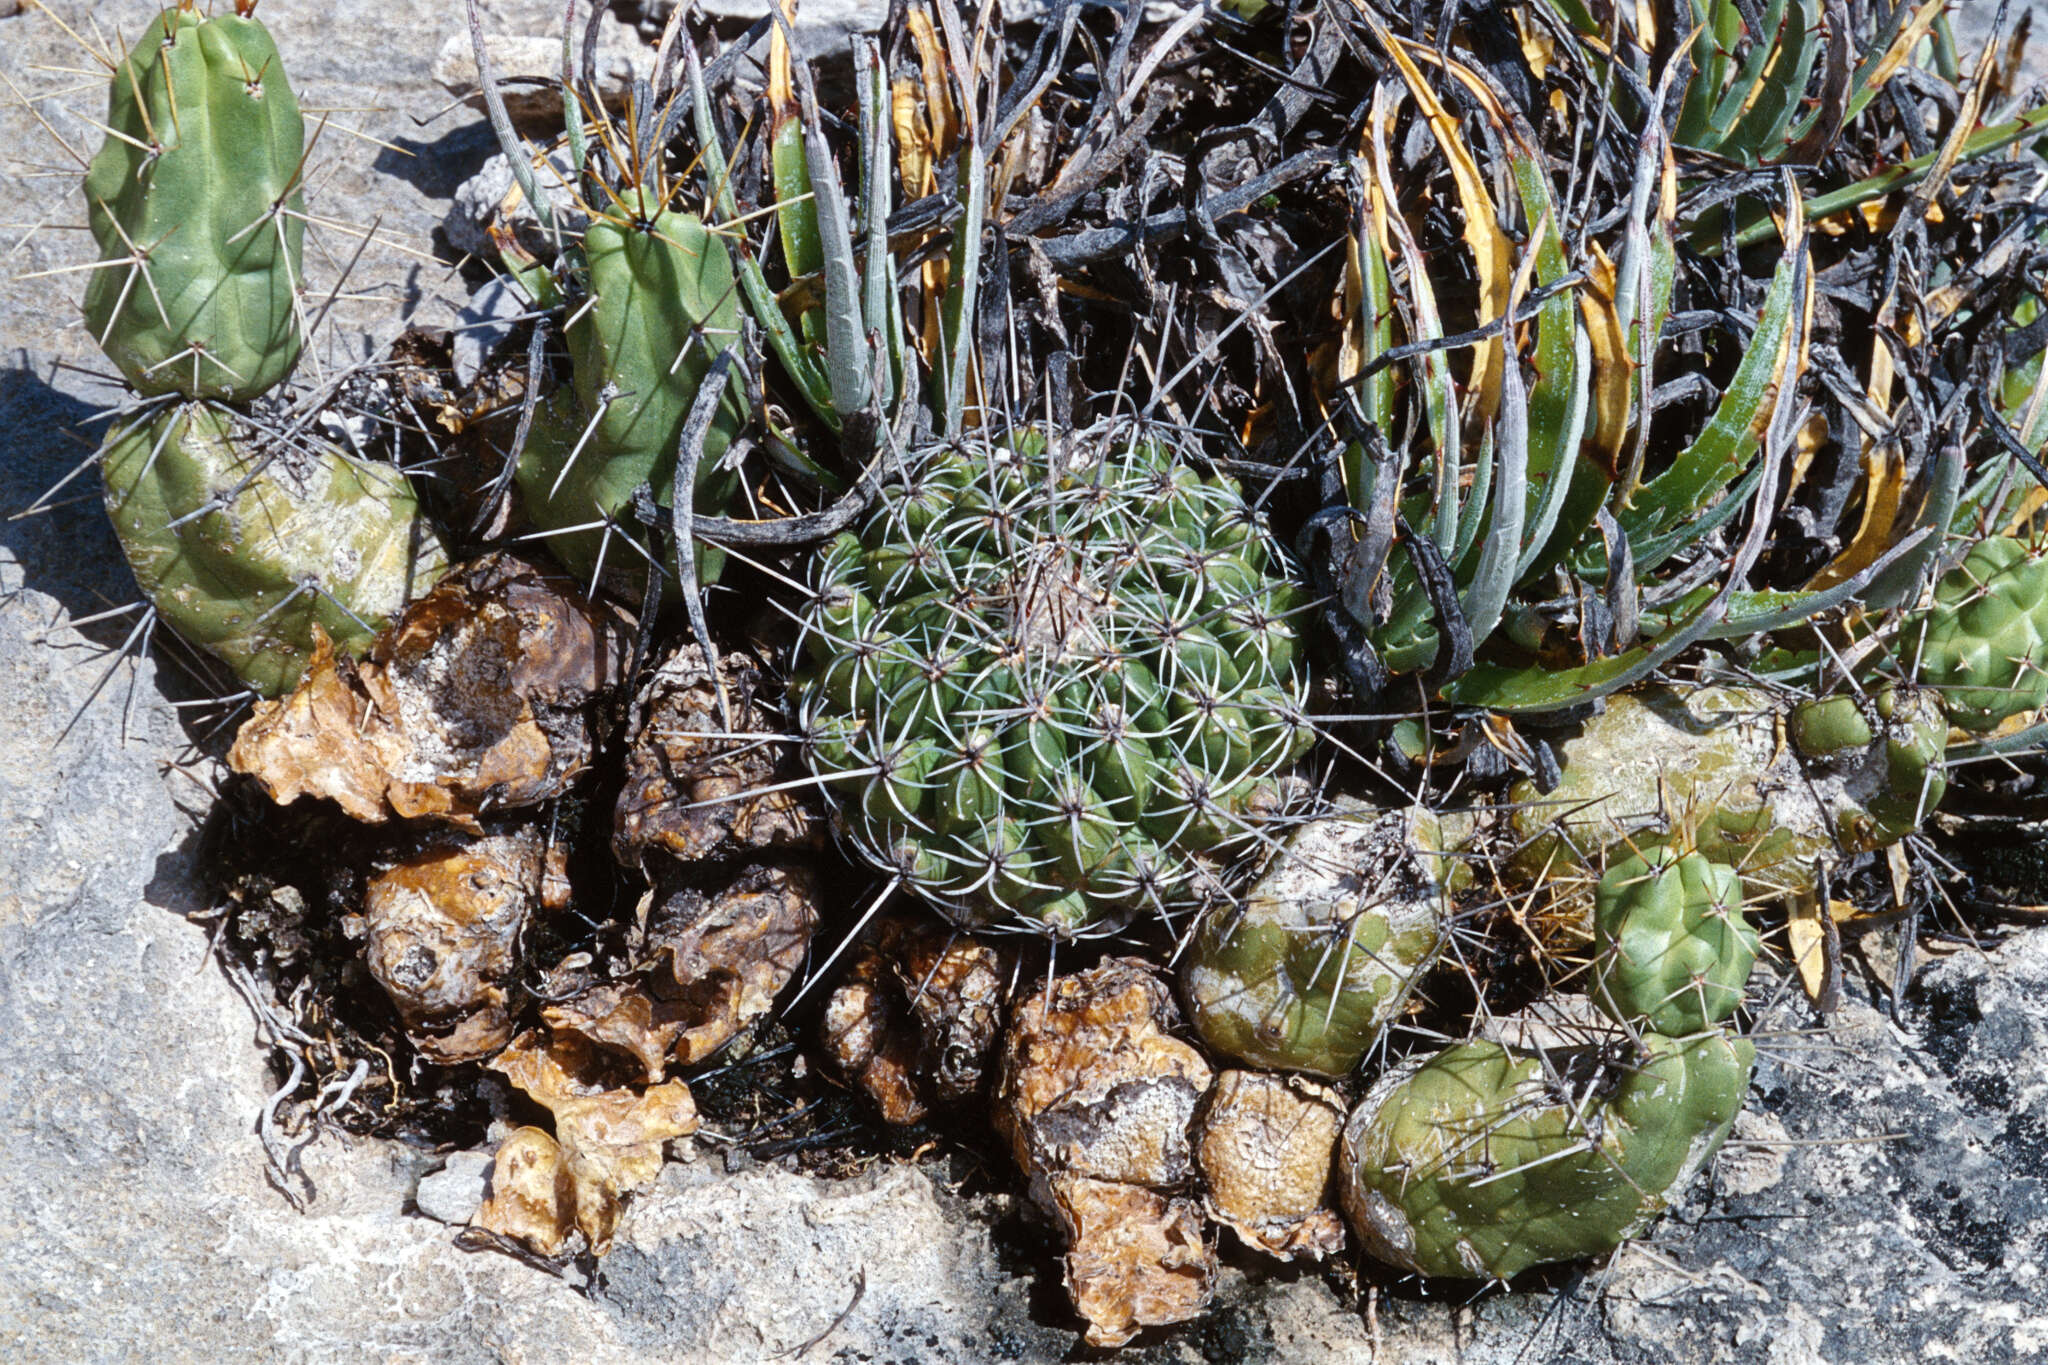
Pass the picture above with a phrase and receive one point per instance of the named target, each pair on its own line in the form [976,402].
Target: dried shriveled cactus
[1474,1163]
[1044,684]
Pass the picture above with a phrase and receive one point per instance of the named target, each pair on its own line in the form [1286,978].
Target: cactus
[196,188]
[661,307]
[1306,975]
[1043,684]
[1472,1163]
[250,556]
[1674,950]
[1983,643]
[1899,780]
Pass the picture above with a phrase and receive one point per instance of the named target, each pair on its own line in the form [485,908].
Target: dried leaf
[444,930]
[728,957]
[471,700]
[1136,1258]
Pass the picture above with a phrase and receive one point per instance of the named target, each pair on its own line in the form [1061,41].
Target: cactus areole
[194,200]
[1043,685]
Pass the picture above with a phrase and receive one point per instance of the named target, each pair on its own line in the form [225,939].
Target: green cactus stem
[1673,948]
[1043,684]
[251,554]
[1309,971]
[1471,1164]
[661,307]
[1983,644]
[194,200]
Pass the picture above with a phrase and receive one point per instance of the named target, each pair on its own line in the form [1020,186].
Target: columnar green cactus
[1983,644]
[196,189]
[1043,684]
[1474,1164]
[1308,972]
[246,555]
[661,307]
[1674,950]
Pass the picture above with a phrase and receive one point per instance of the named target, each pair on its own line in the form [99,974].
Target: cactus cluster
[250,545]
[1045,680]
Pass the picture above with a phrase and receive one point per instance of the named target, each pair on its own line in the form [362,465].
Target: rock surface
[1885,1201]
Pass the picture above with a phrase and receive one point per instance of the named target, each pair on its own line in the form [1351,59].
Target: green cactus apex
[1309,971]
[1882,753]
[248,554]
[1983,644]
[661,307]
[1043,685]
[1673,948]
[194,199]
[1473,1164]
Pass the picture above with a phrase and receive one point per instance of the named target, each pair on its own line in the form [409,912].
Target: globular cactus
[1983,644]
[1042,684]
[1309,971]
[1474,1163]
[196,193]
[1886,748]
[661,307]
[1673,948]
[248,553]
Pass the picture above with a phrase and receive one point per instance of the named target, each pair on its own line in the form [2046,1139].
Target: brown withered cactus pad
[474,700]
[706,967]
[869,1041]
[1096,1097]
[689,791]
[1137,1258]
[1266,1148]
[444,933]
[609,1134]
[913,1021]
[1091,1082]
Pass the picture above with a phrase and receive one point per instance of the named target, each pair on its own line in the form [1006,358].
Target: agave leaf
[1369,302]
[1441,518]
[881,308]
[1759,135]
[1718,28]
[1492,254]
[1717,455]
[846,343]
[761,303]
[1557,404]
[796,211]
[1763,44]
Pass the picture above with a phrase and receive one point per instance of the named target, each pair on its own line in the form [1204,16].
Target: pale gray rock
[455,1192]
